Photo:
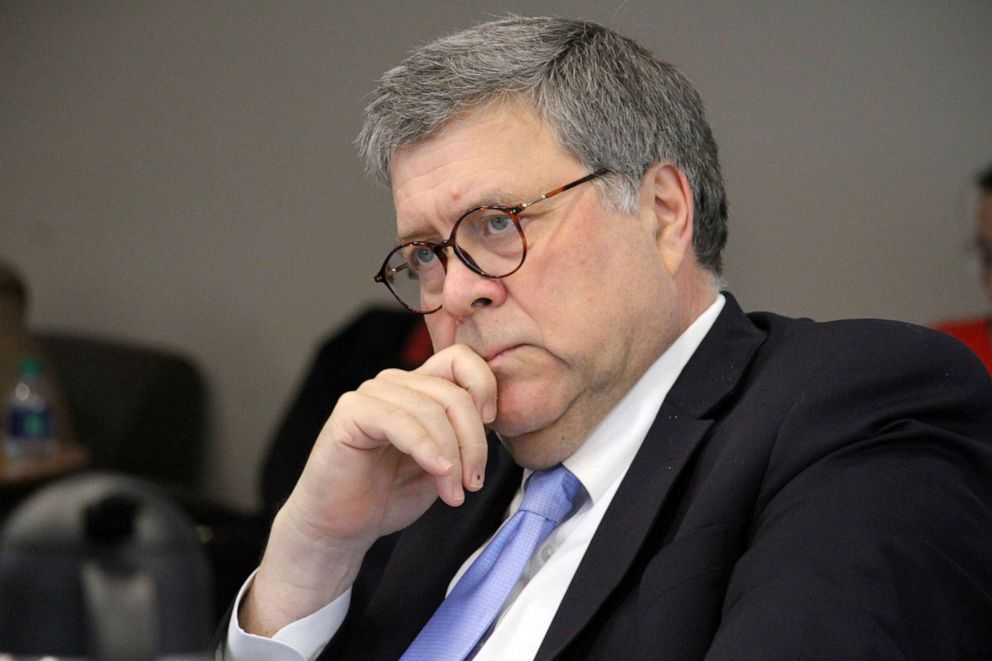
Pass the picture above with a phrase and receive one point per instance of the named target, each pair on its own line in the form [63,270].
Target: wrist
[300,573]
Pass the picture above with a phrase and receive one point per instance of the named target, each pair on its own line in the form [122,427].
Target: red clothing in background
[975,334]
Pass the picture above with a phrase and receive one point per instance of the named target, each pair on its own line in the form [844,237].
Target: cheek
[586,287]
[573,271]
[561,290]
[599,278]
[574,298]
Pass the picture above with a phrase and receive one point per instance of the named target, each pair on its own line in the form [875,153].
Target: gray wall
[182,172]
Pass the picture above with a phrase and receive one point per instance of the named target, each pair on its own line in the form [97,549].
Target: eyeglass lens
[487,240]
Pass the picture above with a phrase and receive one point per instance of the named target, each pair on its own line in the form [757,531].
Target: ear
[666,209]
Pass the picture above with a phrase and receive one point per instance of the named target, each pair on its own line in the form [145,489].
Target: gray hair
[606,99]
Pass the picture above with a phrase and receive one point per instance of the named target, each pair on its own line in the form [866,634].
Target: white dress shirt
[600,464]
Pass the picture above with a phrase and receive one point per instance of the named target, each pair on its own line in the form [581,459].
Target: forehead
[500,153]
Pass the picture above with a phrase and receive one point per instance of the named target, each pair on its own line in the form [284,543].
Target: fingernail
[458,497]
[477,481]
[489,412]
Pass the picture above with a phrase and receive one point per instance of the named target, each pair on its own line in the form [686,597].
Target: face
[592,306]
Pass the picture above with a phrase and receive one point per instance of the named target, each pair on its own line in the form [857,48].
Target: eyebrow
[488,198]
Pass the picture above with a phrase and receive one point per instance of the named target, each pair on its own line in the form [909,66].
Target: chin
[531,445]
[532,420]
[522,411]
[535,451]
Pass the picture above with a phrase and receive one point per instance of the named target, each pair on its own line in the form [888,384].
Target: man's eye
[498,224]
[421,258]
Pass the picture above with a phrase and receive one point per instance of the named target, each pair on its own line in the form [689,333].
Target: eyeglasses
[488,240]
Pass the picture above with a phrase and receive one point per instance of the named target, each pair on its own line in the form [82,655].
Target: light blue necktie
[473,604]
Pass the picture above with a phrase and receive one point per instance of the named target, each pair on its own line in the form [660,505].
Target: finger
[365,423]
[459,364]
[432,414]
[464,418]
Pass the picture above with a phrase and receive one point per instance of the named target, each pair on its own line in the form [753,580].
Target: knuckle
[422,445]
[367,386]
[461,398]
[433,410]
[389,374]
[460,351]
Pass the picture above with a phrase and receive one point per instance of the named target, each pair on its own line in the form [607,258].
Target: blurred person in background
[977,332]
[17,343]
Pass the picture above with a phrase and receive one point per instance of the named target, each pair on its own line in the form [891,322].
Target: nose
[466,292]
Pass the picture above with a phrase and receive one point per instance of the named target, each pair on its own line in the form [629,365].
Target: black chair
[144,411]
[139,410]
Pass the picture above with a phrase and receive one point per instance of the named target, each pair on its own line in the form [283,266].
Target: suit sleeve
[872,534]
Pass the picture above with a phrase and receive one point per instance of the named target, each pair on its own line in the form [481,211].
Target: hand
[386,452]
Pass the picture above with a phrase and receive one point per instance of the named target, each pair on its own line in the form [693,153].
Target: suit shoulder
[852,342]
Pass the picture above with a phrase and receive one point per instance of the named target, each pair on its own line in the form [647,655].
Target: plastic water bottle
[28,424]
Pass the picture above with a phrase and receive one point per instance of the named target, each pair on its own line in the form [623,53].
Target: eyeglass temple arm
[598,173]
[380,276]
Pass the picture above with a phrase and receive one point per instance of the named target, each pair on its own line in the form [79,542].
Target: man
[977,333]
[721,484]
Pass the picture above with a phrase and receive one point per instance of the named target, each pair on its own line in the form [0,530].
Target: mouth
[496,353]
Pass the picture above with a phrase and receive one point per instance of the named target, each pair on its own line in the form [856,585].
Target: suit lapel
[712,374]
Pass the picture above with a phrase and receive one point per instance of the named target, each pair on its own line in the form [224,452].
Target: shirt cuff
[302,640]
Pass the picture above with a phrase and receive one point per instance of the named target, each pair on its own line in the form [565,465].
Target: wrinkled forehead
[496,154]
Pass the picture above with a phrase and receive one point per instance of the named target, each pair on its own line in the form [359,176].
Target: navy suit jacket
[807,490]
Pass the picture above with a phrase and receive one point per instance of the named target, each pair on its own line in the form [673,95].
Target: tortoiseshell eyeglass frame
[385,273]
